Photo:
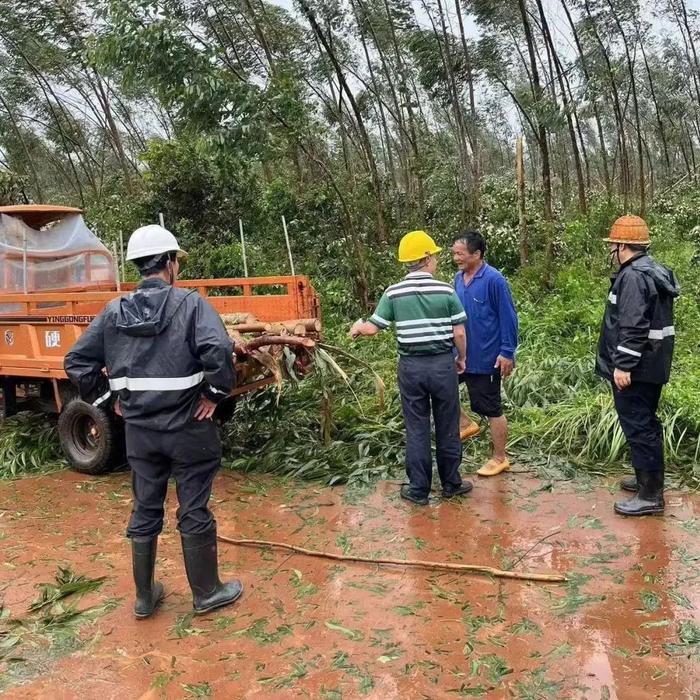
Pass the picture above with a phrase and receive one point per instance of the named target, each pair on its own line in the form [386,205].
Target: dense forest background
[358,120]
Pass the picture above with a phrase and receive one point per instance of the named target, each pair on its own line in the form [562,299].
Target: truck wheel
[92,439]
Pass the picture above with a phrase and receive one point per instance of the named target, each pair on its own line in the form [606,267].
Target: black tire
[92,439]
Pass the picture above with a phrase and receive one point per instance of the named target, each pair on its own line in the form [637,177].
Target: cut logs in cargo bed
[267,353]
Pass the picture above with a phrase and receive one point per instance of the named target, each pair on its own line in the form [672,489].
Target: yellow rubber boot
[493,467]
[469,429]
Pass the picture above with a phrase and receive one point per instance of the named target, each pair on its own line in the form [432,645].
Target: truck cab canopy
[64,255]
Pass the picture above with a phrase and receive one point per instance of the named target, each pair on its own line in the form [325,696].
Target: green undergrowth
[343,424]
[561,414]
[29,444]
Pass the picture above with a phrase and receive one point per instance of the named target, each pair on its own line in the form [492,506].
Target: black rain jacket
[162,347]
[637,334]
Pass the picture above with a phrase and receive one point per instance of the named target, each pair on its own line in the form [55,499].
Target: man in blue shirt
[492,337]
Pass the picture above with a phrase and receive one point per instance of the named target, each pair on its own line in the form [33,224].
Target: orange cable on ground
[473,568]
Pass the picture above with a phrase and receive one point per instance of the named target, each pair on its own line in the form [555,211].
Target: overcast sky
[552,7]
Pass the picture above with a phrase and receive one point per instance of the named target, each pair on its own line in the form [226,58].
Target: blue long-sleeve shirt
[492,322]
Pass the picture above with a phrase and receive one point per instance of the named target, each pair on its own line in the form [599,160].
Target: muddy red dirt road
[625,625]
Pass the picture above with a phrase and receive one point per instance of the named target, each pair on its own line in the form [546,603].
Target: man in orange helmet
[634,353]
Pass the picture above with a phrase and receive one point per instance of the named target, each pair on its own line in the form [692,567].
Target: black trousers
[636,409]
[427,381]
[192,456]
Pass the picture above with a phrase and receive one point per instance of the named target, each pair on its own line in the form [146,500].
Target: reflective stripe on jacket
[162,347]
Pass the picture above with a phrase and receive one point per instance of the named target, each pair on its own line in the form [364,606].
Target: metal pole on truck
[24,262]
[245,262]
[121,253]
[115,261]
[289,248]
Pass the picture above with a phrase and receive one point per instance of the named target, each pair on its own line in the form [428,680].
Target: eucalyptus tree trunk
[376,183]
[541,131]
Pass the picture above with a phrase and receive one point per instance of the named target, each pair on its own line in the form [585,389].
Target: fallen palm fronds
[67,583]
[28,444]
[288,349]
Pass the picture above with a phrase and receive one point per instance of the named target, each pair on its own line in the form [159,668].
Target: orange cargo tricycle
[56,276]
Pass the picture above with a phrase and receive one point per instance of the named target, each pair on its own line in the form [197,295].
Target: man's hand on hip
[504,365]
[205,409]
[622,379]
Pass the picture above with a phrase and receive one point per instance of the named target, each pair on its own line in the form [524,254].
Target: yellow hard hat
[415,246]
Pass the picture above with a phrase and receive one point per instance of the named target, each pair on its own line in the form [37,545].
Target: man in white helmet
[169,362]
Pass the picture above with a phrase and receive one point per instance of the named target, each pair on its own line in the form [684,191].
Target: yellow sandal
[493,467]
[472,430]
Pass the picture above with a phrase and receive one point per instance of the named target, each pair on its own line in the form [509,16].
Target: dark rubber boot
[149,593]
[629,484]
[202,567]
[649,499]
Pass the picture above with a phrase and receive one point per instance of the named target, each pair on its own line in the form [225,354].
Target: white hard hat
[147,241]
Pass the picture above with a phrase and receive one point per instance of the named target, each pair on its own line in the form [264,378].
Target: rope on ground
[440,566]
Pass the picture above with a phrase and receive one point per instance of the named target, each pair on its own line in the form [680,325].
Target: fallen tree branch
[252,327]
[312,325]
[539,542]
[442,566]
[243,350]
[252,386]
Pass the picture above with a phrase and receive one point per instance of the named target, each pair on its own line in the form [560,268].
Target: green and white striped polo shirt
[424,311]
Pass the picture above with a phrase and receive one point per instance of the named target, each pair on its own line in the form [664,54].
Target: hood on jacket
[143,312]
[663,278]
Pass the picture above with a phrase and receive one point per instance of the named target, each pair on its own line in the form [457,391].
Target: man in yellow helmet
[634,354]
[429,321]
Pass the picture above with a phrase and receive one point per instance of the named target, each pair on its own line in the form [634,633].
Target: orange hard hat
[632,230]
